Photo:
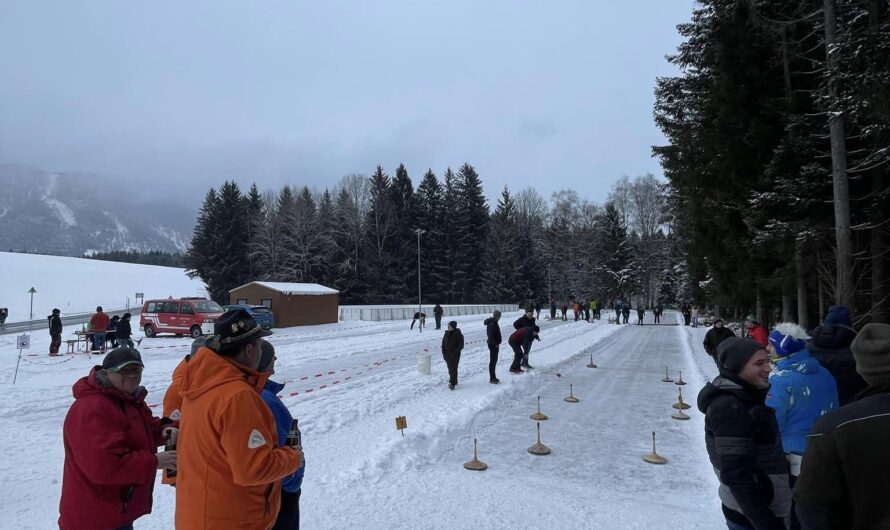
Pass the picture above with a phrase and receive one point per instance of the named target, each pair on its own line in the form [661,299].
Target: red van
[183,316]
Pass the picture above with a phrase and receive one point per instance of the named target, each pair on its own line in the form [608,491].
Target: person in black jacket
[525,321]
[843,481]
[493,332]
[437,313]
[452,345]
[830,343]
[714,337]
[419,316]
[743,441]
[124,333]
[111,331]
[55,332]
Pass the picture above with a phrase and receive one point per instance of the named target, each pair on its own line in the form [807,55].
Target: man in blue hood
[742,439]
[830,344]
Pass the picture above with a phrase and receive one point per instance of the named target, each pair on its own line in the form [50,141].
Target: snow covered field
[352,379]
[77,285]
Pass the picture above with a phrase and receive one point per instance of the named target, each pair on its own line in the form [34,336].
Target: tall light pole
[419,233]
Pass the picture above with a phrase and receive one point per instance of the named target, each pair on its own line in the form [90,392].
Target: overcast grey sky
[178,96]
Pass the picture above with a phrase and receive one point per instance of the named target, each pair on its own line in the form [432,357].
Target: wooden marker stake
[571,398]
[667,378]
[654,458]
[402,424]
[538,448]
[537,416]
[475,464]
[592,364]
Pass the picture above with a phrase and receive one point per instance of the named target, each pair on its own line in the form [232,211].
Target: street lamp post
[419,233]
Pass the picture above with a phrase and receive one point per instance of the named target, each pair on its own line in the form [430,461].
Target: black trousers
[517,356]
[553,313]
[493,350]
[289,514]
[438,321]
[452,363]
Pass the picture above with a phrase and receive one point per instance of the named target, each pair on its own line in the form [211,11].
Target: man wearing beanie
[494,339]
[291,486]
[843,482]
[743,440]
[830,343]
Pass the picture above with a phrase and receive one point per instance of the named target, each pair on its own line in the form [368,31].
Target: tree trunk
[800,269]
[880,288]
[758,307]
[787,306]
[837,131]
[821,300]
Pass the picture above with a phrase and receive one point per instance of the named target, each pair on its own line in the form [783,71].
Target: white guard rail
[406,312]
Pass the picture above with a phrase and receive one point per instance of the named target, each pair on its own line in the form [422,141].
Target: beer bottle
[294,437]
[169,446]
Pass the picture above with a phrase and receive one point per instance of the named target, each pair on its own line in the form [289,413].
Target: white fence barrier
[406,312]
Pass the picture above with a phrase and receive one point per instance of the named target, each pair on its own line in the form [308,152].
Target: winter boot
[494,381]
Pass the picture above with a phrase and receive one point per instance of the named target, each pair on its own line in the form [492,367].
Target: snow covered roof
[294,288]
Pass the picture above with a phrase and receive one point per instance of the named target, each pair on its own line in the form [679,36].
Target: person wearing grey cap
[843,482]
[743,441]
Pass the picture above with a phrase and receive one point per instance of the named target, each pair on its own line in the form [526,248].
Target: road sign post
[23,342]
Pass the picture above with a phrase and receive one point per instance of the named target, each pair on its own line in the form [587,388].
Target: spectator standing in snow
[111,441]
[521,342]
[124,331]
[640,314]
[755,331]
[565,311]
[537,310]
[291,486]
[98,324]
[111,332]
[625,312]
[4,313]
[552,309]
[830,343]
[173,396]
[524,321]
[437,314]
[843,482]
[657,313]
[694,314]
[714,337]
[418,316]
[230,464]
[452,345]
[493,334]
[801,391]
[743,441]
[55,332]
[687,314]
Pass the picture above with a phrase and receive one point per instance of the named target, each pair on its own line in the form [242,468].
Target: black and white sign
[23,342]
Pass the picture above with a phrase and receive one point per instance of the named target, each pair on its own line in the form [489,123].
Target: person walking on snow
[291,486]
[640,314]
[111,444]
[98,324]
[714,337]
[801,391]
[743,441]
[521,342]
[694,314]
[657,312]
[625,312]
[55,332]
[493,334]
[552,309]
[537,310]
[437,314]
[452,345]
[565,311]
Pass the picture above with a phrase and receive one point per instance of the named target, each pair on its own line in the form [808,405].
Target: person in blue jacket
[801,391]
[289,513]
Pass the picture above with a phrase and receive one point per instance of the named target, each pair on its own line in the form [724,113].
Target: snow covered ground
[77,285]
[347,382]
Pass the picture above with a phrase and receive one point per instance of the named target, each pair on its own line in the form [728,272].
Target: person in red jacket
[521,342]
[99,325]
[111,441]
[756,331]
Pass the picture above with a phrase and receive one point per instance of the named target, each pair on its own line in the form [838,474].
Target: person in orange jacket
[173,396]
[230,465]
[99,325]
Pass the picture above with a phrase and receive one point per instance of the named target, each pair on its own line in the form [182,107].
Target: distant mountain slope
[72,214]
